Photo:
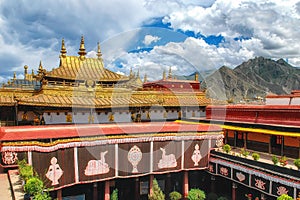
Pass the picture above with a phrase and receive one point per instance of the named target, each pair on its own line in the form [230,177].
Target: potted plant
[114,195]
[227,148]
[274,160]
[284,197]
[244,152]
[175,195]
[283,161]
[196,194]
[157,193]
[297,163]
[255,156]
[34,186]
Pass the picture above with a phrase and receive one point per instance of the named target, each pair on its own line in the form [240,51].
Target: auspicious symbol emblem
[196,157]
[95,167]
[167,161]
[211,168]
[240,176]
[134,157]
[9,157]
[54,172]
[281,190]
[219,142]
[224,171]
[260,184]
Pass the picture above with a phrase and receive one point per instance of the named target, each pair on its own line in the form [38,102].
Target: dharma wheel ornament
[134,157]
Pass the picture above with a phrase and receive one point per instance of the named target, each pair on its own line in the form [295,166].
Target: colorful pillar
[151,177]
[95,191]
[137,191]
[185,184]
[59,194]
[234,186]
[106,191]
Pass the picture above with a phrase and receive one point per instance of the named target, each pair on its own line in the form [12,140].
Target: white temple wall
[277,101]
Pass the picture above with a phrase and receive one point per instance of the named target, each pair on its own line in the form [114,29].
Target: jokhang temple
[87,130]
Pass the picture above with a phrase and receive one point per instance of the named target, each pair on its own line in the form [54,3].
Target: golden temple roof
[7,101]
[82,102]
[74,68]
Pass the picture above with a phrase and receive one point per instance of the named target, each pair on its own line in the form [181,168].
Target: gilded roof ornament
[164,75]
[170,73]
[63,50]
[131,73]
[15,76]
[99,54]
[81,51]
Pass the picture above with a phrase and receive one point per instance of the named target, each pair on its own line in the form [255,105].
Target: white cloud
[150,39]
[272,24]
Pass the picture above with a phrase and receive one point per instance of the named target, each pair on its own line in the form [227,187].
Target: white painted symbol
[54,172]
[240,176]
[167,161]
[134,157]
[260,184]
[95,167]
[281,190]
[9,157]
[196,157]
[224,171]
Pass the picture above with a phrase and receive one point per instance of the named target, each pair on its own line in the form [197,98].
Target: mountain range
[254,78]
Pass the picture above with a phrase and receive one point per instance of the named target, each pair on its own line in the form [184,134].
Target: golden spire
[25,71]
[40,66]
[196,76]
[32,72]
[138,73]
[15,76]
[81,51]
[145,78]
[63,50]
[164,75]
[99,54]
[170,73]
[131,73]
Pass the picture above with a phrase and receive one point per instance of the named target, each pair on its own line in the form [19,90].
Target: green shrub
[114,195]
[245,153]
[42,196]
[156,194]
[34,186]
[196,194]
[26,171]
[175,195]
[227,148]
[283,161]
[297,163]
[275,160]
[222,198]
[255,156]
[284,197]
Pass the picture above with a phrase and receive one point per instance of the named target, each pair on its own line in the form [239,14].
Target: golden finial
[145,78]
[138,73]
[164,75]
[40,66]
[32,72]
[170,73]
[15,76]
[25,69]
[196,76]
[99,54]
[131,73]
[81,51]
[63,50]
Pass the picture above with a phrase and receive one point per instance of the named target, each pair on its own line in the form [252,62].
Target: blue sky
[148,35]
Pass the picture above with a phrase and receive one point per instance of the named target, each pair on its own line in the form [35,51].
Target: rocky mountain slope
[254,78]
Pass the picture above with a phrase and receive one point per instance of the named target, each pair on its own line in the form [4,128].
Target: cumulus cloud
[272,25]
[150,39]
